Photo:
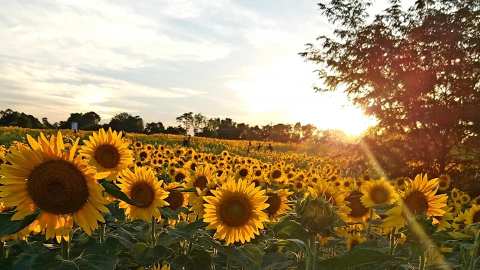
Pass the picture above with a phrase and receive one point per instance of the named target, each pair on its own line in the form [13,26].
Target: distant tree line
[188,123]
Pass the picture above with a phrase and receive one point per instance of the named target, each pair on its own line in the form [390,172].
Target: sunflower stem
[2,250]
[65,249]
[154,237]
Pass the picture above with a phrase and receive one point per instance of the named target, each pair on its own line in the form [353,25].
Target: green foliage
[8,226]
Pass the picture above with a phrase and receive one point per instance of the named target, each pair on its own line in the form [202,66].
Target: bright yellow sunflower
[201,178]
[379,192]
[107,152]
[142,187]
[419,198]
[277,203]
[235,211]
[47,177]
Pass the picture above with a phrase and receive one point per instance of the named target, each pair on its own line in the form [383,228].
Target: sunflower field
[106,201]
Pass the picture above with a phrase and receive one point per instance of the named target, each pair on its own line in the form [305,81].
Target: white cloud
[95,34]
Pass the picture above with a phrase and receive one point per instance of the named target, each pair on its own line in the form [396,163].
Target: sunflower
[178,175]
[142,187]
[277,203]
[276,175]
[444,182]
[201,178]
[419,198]
[358,211]
[243,171]
[107,152]
[176,198]
[376,193]
[48,177]
[473,215]
[445,221]
[235,211]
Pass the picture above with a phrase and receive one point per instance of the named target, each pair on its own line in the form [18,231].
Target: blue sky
[158,59]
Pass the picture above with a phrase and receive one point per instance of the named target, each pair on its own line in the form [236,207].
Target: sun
[282,92]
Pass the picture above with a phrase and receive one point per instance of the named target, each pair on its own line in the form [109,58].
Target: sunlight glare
[283,92]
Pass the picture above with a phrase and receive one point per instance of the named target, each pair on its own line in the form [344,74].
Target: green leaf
[357,258]
[146,255]
[290,229]
[201,259]
[115,191]
[8,226]
[187,230]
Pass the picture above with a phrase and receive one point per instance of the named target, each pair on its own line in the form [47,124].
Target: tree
[86,121]
[46,123]
[126,122]
[199,123]
[152,128]
[186,120]
[13,118]
[176,130]
[416,71]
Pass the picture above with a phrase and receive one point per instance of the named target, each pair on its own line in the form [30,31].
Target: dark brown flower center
[235,211]
[58,187]
[179,177]
[143,194]
[416,202]
[175,199]
[243,172]
[143,155]
[258,173]
[107,156]
[358,210]
[276,174]
[274,202]
[379,194]
[201,182]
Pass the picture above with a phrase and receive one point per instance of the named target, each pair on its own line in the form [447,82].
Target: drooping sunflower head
[142,186]
[277,203]
[376,193]
[418,199]
[48,177]
[235,211]
[108,152]
[318,215]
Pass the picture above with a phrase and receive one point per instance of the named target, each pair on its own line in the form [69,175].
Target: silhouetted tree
[86,121]
[179,130]
[154,127]
[13,118]
[126,122]
[417,71]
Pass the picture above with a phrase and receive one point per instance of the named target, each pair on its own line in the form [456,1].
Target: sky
[159,59]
